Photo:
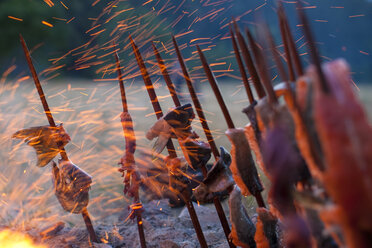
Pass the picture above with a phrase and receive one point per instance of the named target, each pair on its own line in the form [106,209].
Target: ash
[164,227]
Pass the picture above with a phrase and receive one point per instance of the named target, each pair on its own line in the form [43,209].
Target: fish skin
[296,232]
[269,224]
[46,140]
[197,153]
[131,176]
[180,119]
[279,115]
[71,185]
[163,131]
[252,116]
[175,124]
[218,179]
[242,228]
[346,138]
[281,162]
[242,166]
[254,145]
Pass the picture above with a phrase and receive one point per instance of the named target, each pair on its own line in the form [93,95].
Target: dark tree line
[342,27]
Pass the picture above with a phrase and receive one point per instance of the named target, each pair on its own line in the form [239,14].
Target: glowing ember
[10,239]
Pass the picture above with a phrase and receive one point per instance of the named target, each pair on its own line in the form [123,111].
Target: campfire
[11,239]
[302,161]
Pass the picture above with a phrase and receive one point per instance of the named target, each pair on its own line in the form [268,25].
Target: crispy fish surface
[46,140]
[254,144]
[175,124]
[127,162]
[242,166]
[346,138]
[218,179]
[266,234]
[71,185]
[242,228]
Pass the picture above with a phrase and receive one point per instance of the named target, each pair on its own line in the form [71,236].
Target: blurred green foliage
[341,27]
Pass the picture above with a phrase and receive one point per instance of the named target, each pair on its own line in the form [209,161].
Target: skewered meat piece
[155,179]
[242,166]
[305,133]
[278,115]
[163,131]
[254,145]
[46,140]
[260,237]
[218,178]
[266,229]
[71,186]
[177,176]
[180,119]
[296,232]
[197,152]
[242,228]
[317,228]
[253,133]
[131,177]
[252,116]
[177,123]
[130,138]
[346,138]
[282,161]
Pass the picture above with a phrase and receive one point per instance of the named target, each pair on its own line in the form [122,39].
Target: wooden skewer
[262,68]
[121,84]
[216,90]
[217,203]
[85,213]
[151,92]
[225,111]
[293,50]
[312,48]
[241,67]
[279,64]
[249,63]
[291,42]
[170,146]
[195,100]
[138,214]
[283,33]
[292,97]
[166,77]
[250,110]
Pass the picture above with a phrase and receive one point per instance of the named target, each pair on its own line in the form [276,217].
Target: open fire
[12,239]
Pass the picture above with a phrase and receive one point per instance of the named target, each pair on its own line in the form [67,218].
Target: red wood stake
[312,48]
[241,67]
[135,178]
[283,33]
[217,92]
[49,116]
[262,68]
[217,203]
[291,42]
[195,100]
[249,63]
[170,146]
[167,79]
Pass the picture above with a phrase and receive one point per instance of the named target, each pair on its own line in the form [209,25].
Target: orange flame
[12,239]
